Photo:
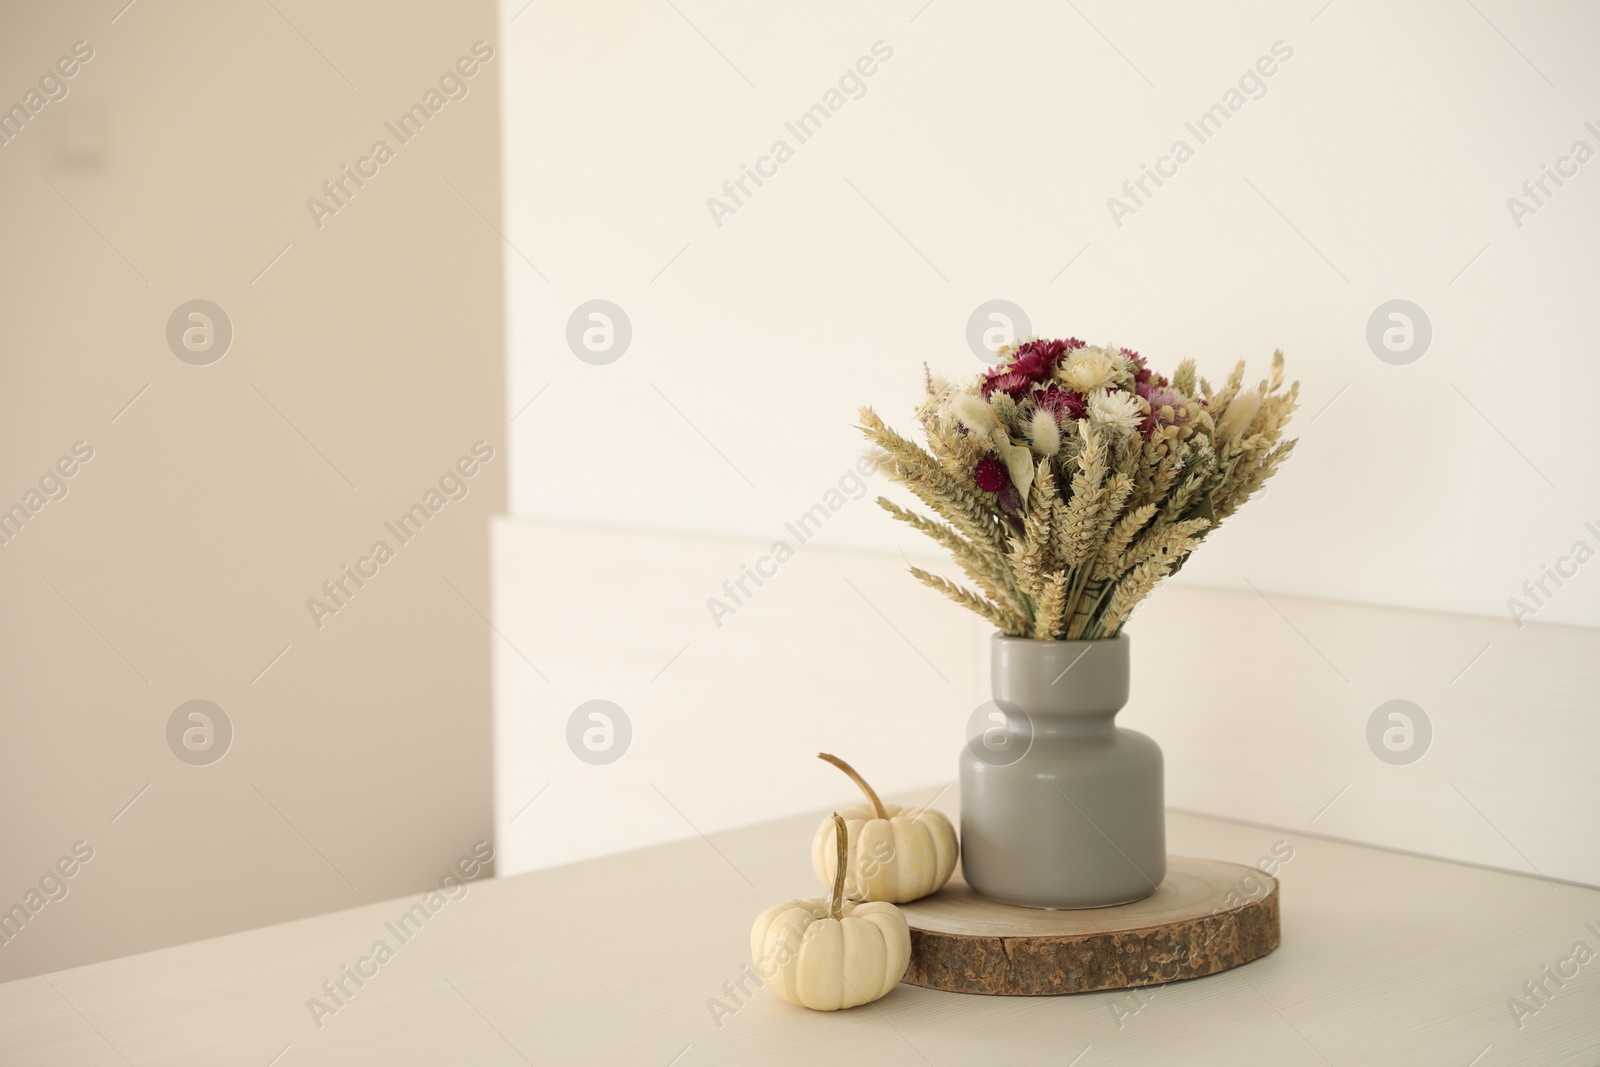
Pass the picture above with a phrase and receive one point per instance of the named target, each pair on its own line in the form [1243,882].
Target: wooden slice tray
[1207,916]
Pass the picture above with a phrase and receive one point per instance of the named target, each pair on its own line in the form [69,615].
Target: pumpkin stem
[877,805]
[841,837]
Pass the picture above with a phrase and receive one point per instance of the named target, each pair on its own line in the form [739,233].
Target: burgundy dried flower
[1038,358]
[1065,404]
[1034,361]
[1006,380]
[1141,373]
[990,474]
[1011,500]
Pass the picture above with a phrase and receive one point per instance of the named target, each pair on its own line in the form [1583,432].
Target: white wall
[723,721]
[1262,708]
[978,165]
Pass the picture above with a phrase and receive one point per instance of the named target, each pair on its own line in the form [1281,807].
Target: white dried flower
[1089,369]
[1119,411]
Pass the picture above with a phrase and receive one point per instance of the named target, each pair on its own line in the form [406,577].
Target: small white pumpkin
[896,854]
[831,954]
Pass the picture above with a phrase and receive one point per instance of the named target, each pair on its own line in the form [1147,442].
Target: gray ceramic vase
[1061,807]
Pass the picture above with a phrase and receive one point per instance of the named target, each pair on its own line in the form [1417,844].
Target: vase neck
[1064,686]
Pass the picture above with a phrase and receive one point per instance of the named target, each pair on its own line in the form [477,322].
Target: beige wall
[179,563]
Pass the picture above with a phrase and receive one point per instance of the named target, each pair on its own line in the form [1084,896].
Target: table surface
[1386,958]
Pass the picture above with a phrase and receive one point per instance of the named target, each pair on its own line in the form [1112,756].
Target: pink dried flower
[1161,399]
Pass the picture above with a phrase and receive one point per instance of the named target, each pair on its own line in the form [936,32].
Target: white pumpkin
[828,954]
[896,854]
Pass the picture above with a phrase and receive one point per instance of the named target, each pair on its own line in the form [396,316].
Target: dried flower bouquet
[1071,479]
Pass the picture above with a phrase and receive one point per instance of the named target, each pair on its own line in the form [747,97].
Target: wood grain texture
[1207,916]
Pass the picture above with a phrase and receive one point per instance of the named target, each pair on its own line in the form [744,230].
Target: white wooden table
[1386,958]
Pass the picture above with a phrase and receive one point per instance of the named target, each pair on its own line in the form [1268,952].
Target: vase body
[1060,807]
